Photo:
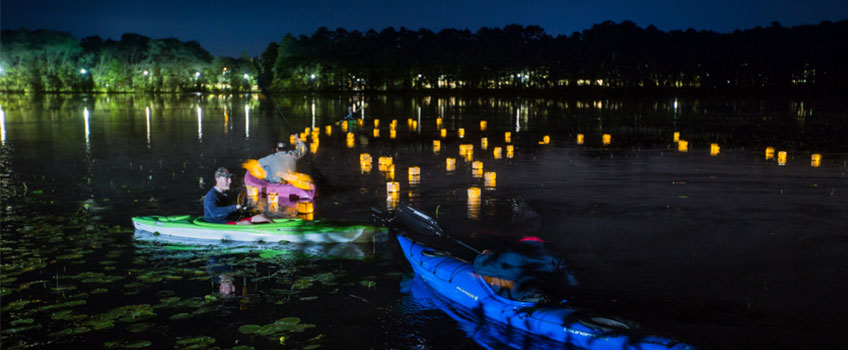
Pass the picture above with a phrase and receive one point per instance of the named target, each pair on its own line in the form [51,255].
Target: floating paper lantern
[477,169]
[510,151]
[344,126]
[414,170]
[507,137]
[437,146]
[769,153]
[360,122]
[376,123]
[392,187]
[292,139]
[376,133]
[490,179]
[303,135]
[304,207]
[676,136]
[390,173]
[579,139]
[461,132]
[392,133]
[252,191]
[682,146]
[497,153]
[546,139]
[328,130]
[438,122]
[781,158]
[483,125]
[351,140]
[606,139]
[414,179]
[414,125]
[313,147]
[714,149]
[443,133]
[384,163]
[484,143]
[393,124]
[450,164]
[364,157]
[307,130]
[273,199]
[474,194]
[815,160]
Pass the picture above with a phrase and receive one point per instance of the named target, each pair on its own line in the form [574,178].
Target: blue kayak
[455,280]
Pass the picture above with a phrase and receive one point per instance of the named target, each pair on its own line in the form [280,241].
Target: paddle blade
[417,221]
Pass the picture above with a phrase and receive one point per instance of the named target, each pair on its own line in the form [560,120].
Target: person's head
[223,179]
[281,146]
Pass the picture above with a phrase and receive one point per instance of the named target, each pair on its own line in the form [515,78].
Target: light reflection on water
[694,235]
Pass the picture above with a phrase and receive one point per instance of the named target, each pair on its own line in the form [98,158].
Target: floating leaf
[204,340]
[181,316]
[139,327]
[99,291]
[127,345]
[71,331]
[302,283]
[368,283]
[249,329]
[308,298]
[22,321]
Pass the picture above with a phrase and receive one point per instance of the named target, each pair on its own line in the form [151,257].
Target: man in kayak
[525,272]
[215,205]
[282,162]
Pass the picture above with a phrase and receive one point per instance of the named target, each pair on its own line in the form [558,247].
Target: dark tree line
[608,55]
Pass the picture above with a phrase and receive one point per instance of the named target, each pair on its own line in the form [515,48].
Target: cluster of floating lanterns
[715,149]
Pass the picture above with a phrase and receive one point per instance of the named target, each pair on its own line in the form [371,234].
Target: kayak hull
[284,190]
[281,230]
[455,280]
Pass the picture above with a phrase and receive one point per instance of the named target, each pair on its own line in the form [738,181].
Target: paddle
[417,221]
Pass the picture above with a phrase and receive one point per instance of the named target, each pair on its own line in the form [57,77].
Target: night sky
[230,27]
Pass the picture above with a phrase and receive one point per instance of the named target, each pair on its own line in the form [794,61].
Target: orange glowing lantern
[438,122]
[497,153]
[392,187]
[781,158]
[376,123]
[546,139]
[409,122]
[376,132]
[443,133]
[815,160]
[676,136]
[328,130]
[484,143]
[714,149]
[682,146]
[392,133]
[474,194]
[483,125]
[292,139]
[606,139]
[510,151]
[384,163]
[414,125]
[273,199]
[579,139]
[305,208]
[393,124]
[344,126]
[490,179]
[477,169]
[414,171]
[450,164]
[461,132]
[313,147]
[306,130]
[507,137]
[351,141]
[360,122]
[769,153]
[390,173]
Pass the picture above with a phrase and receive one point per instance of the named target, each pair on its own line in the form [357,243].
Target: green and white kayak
[289,230]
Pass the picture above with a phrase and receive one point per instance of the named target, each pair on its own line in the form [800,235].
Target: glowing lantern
[392,187]
[292,139]
[676,136]
[484,143]
[437,146]
[682,146]
[392,133]
[579,139]
[393,124]
[409,122]
[490,179]
[306,130]
[483,125]
[507,137]
[815,160]
[443,132]
[474,194]
[781,158]
[546,139]
[313,147]
[510,151]
[461,132]
[252,191]
[303,135]
[497,153]
[305,207]
[390,173]
[308,217]
[606,139]
[328,130]
[350,140]
[376,123]
[414,171]
[769,153]
[360,122]
[273,199]
[344,126]
[477,169]
[438,122]
[414,125]
[450,164]
[714,149]
[469,156]
[376,132]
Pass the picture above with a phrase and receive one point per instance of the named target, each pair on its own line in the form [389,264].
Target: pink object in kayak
[284,190]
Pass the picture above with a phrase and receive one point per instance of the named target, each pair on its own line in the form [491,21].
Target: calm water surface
[731,250]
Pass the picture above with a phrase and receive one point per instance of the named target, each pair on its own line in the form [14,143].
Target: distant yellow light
[359,122]
[483,125]
[376,132]
[439,123]
[484,143]
[769,153]
[437,146]
[474,194]
[682,146]
[328,130]
[676,136]
[443,132]
[497,152]
[606,139]
[579,139]
[781,158]
[384,163]
[546,139]
[461,132]
[392,133]
[815,160]
[313,147]
[490,179]
[392,187]
[714,149]
[450,164]
[376,123]
[344,126]
[507,137]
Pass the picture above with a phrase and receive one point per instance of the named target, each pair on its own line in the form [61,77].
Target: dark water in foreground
[724,251]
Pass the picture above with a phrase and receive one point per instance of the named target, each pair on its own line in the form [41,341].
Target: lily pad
[139,327]
[181,316]
[99,291]
[70,331]
[127,344]
[368,283]
[21,322]
[302,283]
[249,328]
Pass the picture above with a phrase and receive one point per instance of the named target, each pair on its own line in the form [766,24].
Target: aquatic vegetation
[138,344]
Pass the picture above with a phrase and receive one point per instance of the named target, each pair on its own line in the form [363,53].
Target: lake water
[729,250]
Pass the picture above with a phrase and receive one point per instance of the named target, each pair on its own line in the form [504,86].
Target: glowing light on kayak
[683,146]
[769,153]
[714,149]
[305,207]
[299,180]
[781,158]
[252,193]
[815,160]
[273,200]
